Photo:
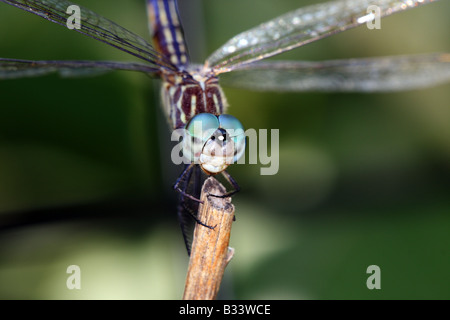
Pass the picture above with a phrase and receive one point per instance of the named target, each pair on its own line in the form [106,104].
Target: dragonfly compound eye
[235,132]
[197,132]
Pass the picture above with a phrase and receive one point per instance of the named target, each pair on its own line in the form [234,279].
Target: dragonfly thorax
[186,94]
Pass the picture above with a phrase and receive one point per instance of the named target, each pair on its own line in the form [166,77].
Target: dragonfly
[191,94]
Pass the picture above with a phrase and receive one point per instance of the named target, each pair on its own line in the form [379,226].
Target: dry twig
[210,252]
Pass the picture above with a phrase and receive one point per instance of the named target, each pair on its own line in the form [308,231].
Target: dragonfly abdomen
[167,31]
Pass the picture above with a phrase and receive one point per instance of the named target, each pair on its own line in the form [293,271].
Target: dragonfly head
[213,142]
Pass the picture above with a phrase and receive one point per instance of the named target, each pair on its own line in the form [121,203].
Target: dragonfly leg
[194,216]
[182,178]
[183,212]
[232,182]
[189,186]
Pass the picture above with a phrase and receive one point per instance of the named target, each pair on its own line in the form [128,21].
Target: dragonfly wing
[190,182]
[95,26]
[15,68]
[353,75]
[301,26]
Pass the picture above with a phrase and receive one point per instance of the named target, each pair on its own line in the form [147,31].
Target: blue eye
[236,131]
[202,125]
[232,125]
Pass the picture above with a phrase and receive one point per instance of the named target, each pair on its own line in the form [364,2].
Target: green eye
[202,126]
[236,131]
[232,125]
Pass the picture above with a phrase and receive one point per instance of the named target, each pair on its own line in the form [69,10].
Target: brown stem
[210,253]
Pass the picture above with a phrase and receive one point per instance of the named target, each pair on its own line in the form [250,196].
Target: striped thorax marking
[185,95]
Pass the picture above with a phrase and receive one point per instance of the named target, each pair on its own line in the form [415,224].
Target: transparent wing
[300,27]
[355,75]
[15,68]
[95,26]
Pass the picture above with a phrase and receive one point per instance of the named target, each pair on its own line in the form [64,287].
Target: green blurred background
[85,171]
